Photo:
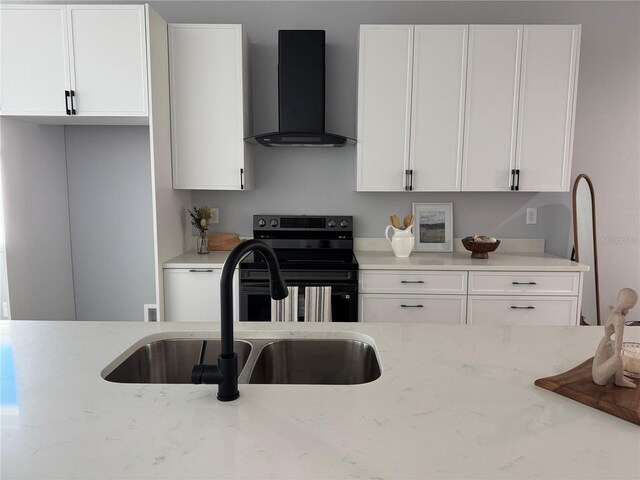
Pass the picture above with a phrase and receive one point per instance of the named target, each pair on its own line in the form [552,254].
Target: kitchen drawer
[413,308]
[524,283]
[394,281]
[522,310]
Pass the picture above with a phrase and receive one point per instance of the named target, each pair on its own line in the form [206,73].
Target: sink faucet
[225,374]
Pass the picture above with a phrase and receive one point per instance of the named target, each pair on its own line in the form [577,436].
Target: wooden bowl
[480,249]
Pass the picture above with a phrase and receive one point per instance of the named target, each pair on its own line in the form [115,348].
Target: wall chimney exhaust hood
[301,72]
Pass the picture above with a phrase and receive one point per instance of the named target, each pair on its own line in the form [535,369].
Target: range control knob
[344,223]
[332,223]
[262,222]
[273,222]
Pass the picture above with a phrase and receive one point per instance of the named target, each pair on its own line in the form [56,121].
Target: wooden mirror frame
[595,245]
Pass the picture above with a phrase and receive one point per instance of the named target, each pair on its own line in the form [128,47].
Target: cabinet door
[547,105]
[108,59]
[192,295]
[35,73]
[522,310]
[437,117]
[493,77]
[384,106]
[413,308]
[207,109]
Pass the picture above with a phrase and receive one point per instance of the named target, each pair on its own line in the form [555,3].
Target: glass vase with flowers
[200,219]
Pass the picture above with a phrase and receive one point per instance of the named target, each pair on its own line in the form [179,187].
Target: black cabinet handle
[411,281]
[410,180]
[523,283]
[513,179]
[73,105]
[412,306]
[517,179]
[407,182]
[513,307]
[208,270]
[67,95]
[242,179]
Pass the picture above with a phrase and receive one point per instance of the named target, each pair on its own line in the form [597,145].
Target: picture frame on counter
[433,227]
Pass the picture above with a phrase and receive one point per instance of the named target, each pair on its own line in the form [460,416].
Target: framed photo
[433,227]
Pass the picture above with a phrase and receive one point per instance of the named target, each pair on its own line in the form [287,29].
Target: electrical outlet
[532,216]
[215,216]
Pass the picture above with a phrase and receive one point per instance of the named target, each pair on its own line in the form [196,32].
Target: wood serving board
[223,241]
[578,385]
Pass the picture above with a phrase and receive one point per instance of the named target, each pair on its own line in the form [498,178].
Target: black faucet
[225,374]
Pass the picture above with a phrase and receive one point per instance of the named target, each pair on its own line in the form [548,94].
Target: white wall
[109,174]
[607,133]
[36,215]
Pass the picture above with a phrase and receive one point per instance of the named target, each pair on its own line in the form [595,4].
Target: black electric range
[312,250]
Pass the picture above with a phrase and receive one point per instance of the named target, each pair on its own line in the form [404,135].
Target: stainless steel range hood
[301,90]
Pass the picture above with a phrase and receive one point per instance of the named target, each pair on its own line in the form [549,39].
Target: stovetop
[305,242]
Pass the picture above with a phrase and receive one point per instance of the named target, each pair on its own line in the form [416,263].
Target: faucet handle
[208,374]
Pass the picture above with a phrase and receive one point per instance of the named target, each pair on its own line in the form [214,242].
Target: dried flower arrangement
[200,217]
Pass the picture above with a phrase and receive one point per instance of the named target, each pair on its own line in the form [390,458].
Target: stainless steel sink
[171,361]
[317,362]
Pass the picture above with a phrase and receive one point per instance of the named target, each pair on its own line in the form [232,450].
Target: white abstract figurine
[607,361]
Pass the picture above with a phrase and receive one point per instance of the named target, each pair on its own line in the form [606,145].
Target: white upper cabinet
[209,107]
[34,53]
[108,59]
[546,107]
[491,112]
[74,63]
[384,106]
[484,108]
[437,116]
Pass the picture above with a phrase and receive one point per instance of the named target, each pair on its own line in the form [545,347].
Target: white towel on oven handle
[285,310]
[317,304]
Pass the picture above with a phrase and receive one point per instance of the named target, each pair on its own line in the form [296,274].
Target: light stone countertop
[531,262]
[191,259]
[452,402]
[385,260]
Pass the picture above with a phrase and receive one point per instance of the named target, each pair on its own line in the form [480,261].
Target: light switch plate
[532,216]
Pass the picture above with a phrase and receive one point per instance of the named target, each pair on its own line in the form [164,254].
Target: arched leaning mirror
[585,247]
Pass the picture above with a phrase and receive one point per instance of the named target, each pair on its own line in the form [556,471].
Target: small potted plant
[200,219]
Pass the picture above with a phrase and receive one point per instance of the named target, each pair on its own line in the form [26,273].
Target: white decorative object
[434,227]
[402,241]
[607,361]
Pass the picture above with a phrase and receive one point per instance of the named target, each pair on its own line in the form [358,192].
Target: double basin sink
[308,361]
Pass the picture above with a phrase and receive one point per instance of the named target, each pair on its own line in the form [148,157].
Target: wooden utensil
[395,221]
[408,220]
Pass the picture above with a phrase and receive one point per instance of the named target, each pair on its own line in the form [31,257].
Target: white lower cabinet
[412,296]
[522,310]
[413,308]
[523,298]
[474,297]
[193,295]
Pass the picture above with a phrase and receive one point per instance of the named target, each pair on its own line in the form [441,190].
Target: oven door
[255,301]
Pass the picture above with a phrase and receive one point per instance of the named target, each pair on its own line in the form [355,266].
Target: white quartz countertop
[452,402]
[191,259]
[385,260]
[532,262]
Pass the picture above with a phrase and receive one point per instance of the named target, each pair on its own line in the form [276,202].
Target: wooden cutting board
[577,384]
[223,241]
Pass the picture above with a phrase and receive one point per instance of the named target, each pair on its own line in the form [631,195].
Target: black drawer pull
[513,307]
[412,306]
[200,270]
[411,281]
[523,283]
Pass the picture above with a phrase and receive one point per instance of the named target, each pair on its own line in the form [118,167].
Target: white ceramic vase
[402,240]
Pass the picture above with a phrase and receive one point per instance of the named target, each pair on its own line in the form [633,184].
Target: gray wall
[111,221]
[36,216]
[607,143]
